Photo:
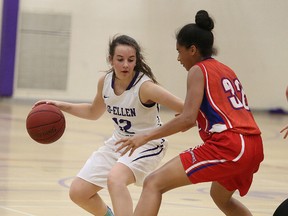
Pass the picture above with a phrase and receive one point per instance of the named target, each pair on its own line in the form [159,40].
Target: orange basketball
[45,123]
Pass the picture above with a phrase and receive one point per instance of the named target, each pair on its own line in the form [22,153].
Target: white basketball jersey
[128,113]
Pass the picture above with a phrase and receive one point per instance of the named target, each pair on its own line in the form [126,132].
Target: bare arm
[91,111]
[184,121]
[151,92]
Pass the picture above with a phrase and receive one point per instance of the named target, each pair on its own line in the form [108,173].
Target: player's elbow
[93,116]
[95,113]
[188,123]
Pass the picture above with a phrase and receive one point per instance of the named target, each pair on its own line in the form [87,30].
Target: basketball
[45,123]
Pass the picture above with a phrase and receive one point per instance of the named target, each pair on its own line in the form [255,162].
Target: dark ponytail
[198,34]
[203,20]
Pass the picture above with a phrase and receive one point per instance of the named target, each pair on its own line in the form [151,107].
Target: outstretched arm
[182,122]
[91,111]
[154,93]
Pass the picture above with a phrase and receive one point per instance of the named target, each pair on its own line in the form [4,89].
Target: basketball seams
[45,123]
[60,114]
[61,129]
[39,111]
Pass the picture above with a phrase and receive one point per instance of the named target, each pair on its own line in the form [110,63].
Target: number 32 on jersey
[234,89]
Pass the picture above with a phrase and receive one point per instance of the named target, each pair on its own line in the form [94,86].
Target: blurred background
[57,49]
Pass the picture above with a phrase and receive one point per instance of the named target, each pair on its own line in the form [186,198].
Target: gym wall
[62,44]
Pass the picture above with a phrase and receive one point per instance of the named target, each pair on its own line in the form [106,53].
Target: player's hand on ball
[285,129]
[51,102]
[131,143]
[61,105]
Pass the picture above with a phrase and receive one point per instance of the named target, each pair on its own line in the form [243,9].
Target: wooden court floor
[35,178]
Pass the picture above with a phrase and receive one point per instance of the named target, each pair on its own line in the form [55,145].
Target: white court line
[16,211]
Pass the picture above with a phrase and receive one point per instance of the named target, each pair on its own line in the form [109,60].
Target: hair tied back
[203,20]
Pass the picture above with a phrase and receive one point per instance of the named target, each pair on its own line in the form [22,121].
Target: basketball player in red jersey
[232,148]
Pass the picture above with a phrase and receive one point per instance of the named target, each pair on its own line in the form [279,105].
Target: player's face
[124,61]
[185,56]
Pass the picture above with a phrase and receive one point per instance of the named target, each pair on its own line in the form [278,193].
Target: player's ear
[193,49]
[110,58]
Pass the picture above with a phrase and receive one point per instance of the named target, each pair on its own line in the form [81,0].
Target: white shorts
[144,160]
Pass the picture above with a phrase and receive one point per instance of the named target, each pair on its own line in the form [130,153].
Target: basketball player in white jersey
[130,93]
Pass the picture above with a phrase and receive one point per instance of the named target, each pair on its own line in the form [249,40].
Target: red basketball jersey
[224,105]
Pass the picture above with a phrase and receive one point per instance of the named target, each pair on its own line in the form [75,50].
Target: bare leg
[169,176]
[84,194]
[226,203]
[119,177]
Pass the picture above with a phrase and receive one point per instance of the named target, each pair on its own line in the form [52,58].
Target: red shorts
[228,158]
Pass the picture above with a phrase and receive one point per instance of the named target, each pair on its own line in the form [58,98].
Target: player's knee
[151,183]
[212,194]
[120,176]
[73,194]
[111,180]
[76,194]
[217,198]
[114,180]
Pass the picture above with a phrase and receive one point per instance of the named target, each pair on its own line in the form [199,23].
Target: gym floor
[35,178]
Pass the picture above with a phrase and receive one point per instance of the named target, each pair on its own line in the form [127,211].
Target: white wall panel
[251,37]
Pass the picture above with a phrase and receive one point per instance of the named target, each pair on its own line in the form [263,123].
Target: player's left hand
[286,134]
[131,143]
